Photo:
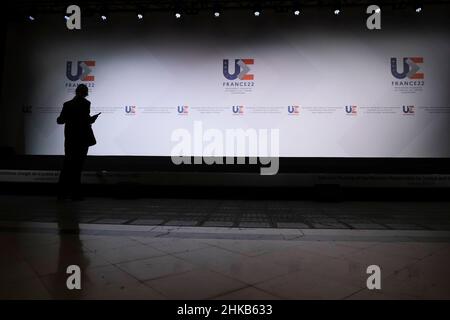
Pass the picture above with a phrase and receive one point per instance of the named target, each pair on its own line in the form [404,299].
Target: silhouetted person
[78,138]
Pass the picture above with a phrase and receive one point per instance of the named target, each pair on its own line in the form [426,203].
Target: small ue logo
[238,110]
[131,110]
[408,110]
[294,110]
[183,110]
[351,110]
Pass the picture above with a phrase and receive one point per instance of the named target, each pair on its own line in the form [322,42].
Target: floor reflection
[71,252]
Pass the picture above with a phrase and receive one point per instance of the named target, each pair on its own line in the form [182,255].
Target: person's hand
[94,117]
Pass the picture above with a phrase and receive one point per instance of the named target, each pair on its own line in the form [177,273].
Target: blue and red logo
[83,70]
[131,110]
[183,110]
[238,110]
[241,69]
[351,110]
[410,68]
[293,110]
[408,110]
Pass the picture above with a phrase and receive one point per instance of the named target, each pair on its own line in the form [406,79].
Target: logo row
[234,110]
[409,68]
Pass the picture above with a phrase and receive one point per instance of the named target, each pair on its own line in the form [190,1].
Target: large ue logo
[241,69]
[410,68]
[83,71]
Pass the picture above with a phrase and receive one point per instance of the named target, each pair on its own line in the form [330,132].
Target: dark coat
[76,117]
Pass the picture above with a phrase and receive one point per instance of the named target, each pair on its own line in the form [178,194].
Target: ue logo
[183,109]
[352,110]
[408,110]
[130,109]
[410,68]
[294,110]
[241,69]
[27,109]
[238,109]
[83,71]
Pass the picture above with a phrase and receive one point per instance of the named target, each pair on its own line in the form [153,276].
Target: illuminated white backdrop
[317,65]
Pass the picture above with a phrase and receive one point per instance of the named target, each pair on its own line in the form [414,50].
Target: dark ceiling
[195,6]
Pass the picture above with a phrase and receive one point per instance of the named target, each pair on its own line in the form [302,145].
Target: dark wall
[4,150]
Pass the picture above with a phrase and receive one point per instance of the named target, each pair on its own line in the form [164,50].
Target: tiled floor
[170,262]
[235,213]
[222,249]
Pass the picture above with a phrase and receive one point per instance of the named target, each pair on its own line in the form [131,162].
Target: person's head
[82,91]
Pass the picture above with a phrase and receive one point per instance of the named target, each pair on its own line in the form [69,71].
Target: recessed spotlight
[103,17]
[217,14]
[419,9]
[337,11]
[140,16]
[296,12]
[178,15]
[257,13]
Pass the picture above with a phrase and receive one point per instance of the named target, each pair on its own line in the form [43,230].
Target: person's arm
[94,117]
[91,118]
[62,117]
